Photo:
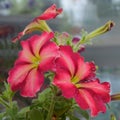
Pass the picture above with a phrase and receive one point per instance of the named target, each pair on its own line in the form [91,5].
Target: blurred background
[77,15]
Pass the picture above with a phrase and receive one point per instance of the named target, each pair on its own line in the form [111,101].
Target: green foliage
[36,114]
[83,113]
[63,108]
[7,93]
[22,113]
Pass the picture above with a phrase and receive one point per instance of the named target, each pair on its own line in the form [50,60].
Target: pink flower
[76,79]
[50,13]
[39,22]
[37,57]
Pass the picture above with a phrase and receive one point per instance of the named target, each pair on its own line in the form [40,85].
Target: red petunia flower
[50,13]
[76,79]
[37,57]
[39,22]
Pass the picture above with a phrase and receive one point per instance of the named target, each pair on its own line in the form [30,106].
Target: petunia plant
[53,76]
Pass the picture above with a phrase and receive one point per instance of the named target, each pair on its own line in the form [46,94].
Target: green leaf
[6,118]
[1,115]
[84,113]
[42,96]
[43,99]
[23,112]
[8,93]
[73,117]
[62,106]
[13,110]
[36,115]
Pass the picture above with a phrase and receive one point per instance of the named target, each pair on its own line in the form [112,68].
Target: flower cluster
[58,55]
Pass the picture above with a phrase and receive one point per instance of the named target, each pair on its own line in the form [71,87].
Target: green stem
[4,103]
[52,104]
[44,26]
[115,97]
[101,30]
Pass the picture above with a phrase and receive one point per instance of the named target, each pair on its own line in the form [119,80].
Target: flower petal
[32,46]
[32,83]
[102,89]
[65,61]
[82,69]
[48,54]
[63,81]
[37,42]
[88,99]
[85,69]
[39,22]
[18,37]
[25,55]
[50,13]
[40,25]
[17,75]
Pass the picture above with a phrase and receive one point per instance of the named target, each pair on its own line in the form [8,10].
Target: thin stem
[103,29]
[52,104]
[115,97]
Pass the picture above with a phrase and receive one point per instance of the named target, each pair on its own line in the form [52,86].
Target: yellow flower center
[36,61]
[75,81]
